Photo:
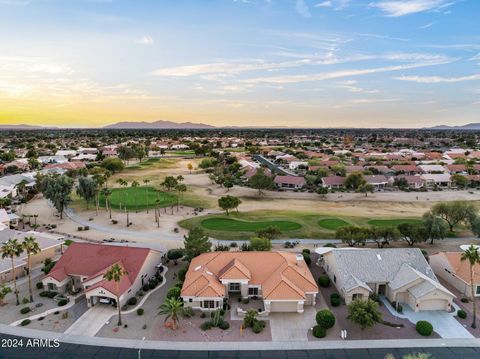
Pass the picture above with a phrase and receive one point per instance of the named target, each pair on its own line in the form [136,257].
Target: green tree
[115,274]
[31,247]
[460,181]
[354,181]
[365,313]
[146,182]
[11,249]
[196,243]
[172,308]
[135,184]
[271,232]
[471,255]
[383,235]
[365,188]
[57,190]
[113,164]
[260,244]
[169,183]
[455,212]
[260,181]
[412,233]
[352,235]
[4,290]
[229,202]
[435,227]
[106,192]
[87,189]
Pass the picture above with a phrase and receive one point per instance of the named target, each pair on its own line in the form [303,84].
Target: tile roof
[280,274]
[460,268]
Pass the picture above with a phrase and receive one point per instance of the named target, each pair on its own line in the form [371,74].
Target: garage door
[433,304]
[283,306]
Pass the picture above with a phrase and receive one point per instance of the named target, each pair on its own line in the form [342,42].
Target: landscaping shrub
[39,285]
[335,299]
[151,285]
[173,292]
[462,314]
[80,228]
[62,302]
[306,250]
[307,258]
[25,301]
[245,301]
[203,315]
[146,287]
[25,310]
[330,245]
[465,300]
[319,332]
[324,281]
[257,327]
[188,312]
[424,328]
[25,322]
[140,311]
[181,274]
[224,325]
[179,284]
[325,318]
[48,265]
[206,325]
[51,295]
[132,301]
[41,318]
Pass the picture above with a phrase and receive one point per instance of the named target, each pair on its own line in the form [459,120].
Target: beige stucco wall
[196,303]
[348,296]
[283,306]
[7,275]
[439,264]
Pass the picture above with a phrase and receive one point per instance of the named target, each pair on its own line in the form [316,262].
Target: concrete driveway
[443,323]
[92,320]
[287,327]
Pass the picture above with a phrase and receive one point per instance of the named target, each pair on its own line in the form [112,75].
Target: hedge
[424,328]
[335,299]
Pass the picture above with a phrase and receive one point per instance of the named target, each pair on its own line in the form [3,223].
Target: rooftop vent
[299,257]
[379,257]
[198,268]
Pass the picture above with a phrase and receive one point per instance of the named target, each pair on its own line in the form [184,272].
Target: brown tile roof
[461,268]
[280,274]
[290,180]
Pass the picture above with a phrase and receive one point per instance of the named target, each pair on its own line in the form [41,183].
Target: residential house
[378,181]
[289,182]
[401,275]
[414,182]
[439,180]
[409,170]
[334,182]
[281,279]
[83,265]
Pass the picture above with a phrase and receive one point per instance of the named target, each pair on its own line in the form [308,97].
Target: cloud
[438,79]
[398,8]
[146,40]
[351,86]
[302,8]
[426,26]
[225,68]
[324,4]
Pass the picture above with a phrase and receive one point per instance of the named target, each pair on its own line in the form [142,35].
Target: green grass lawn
[332,223]
[392,222]
[234,225]
[137,198]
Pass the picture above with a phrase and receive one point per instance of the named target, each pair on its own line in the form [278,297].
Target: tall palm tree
[99,181]
[116,274]
[107,193]
[172,308]
[31,247]
[135,184]
[11,249]
[471,255]
[146,182]
[124,184]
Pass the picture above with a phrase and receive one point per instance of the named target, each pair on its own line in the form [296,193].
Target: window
[209,304]
[190,300]
[478,289]
[357,296]
[252,291]
[334,279]
[234,287]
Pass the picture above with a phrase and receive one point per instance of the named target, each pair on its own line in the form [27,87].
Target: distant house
[83,265]
[440,180]
[414,182]
[450,267]
[281,279]
[333,182]
[457,169]
[408,170]
[297,164]
[353,168]
[434,169]
[401,275]
[378,181]
[289,182]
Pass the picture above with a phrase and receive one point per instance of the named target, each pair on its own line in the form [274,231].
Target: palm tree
[146,182]
[471,255]
[99,181]
[181,188]
[11,249]
[172,308]
[107,193]
[123,183]
[116,274]
[31,247]
[135,184]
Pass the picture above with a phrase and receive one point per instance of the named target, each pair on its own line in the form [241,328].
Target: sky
[295,63]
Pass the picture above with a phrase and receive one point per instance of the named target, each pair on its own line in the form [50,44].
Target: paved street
[92,320]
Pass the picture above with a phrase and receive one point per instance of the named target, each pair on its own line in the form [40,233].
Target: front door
[382,289]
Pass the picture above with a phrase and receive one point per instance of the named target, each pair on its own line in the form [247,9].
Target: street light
[140,349]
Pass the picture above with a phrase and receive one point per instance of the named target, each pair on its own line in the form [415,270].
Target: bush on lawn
[462,314]
[319,332]
[140,311]
[25,310]
[324,281]
[62,302]
[132,301]
[424,328]
[325,318]
[335,299]
[25,322]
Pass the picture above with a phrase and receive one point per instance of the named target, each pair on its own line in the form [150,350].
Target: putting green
[392,222]
[137,198]
[233,225]
[332,223]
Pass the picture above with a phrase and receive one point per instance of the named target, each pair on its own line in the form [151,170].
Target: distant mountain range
[161,124]
[21,127]
[468,126]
